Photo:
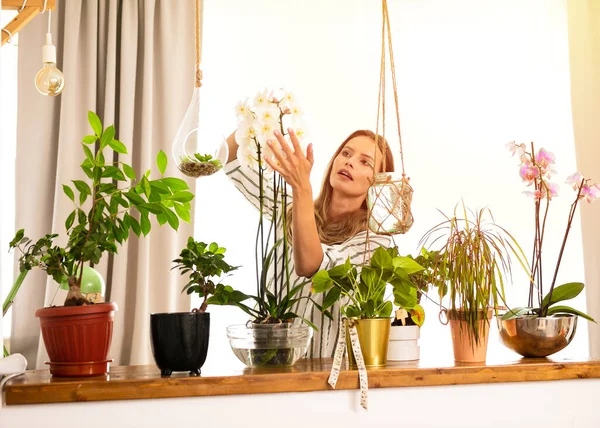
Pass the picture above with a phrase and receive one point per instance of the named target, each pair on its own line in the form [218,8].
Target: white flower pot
[404,343]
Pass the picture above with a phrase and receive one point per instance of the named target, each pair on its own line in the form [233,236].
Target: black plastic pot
[180,341]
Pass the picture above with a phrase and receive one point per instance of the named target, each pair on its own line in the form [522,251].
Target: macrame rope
[199,11]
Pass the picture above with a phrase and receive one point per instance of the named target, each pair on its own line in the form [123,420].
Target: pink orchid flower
[544,158]
[528,172]
[590,192]
[551,192]
[574,180]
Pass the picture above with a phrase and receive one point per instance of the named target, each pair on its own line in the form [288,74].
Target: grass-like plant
[474,258]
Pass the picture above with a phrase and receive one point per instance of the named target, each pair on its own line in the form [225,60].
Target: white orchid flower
[261,100]
[242,110]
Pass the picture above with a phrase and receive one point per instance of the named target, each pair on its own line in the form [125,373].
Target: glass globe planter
[269,345]
[389,200]
[193,157]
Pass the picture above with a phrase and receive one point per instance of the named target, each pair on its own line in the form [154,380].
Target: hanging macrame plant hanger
[193,157]
[390,196]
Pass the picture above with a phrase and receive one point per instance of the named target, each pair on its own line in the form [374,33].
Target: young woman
[331,228]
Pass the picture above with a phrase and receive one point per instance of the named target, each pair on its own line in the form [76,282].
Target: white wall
[459,406]
[472,76]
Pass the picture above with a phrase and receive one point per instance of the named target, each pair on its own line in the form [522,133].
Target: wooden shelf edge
[74,390]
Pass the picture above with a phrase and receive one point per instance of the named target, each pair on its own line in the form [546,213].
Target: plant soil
[198,169]
[276,357]
[398,322]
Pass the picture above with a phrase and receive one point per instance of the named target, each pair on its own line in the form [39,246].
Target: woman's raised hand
[293,166]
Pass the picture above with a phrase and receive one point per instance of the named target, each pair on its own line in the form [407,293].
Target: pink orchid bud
[574,180]
[537,194]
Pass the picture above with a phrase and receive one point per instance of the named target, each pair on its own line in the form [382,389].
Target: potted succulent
[410,315]
[103,217]
[545,325]
[362,289]
[475,256]
[275,335]
[180,340]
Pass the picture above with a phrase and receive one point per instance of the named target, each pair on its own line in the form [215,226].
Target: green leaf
[321,282]
[133,223]
[95,123]
[82,186]
[129,172]
[386,310]
[145,224]
[381,259]
[174,183]
[89,139]
[515,313]
[134,198]
[183,213]
[146,187]
[407,264]
[107,136]
[568,310]
[89,155]
[70,220]
[69,192]
[82,198]
[182,196]
[161,161]
[117,146]
[563,292]
[331,297]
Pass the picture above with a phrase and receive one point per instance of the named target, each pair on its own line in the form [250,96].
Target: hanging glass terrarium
[390,196]
[389,200]
[194,156]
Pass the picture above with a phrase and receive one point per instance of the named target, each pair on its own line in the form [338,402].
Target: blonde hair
[335,232]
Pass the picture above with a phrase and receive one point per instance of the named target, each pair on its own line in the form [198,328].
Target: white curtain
[584,44]
[132,62]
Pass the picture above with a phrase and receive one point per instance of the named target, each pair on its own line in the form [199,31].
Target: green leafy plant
[471,264]
[423,280]
[199,165]
[112,203]
[365,290]
[205,264]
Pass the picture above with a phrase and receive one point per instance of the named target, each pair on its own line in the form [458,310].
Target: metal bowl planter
[538,336]
[269,345]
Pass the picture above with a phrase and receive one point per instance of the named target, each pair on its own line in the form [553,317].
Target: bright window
[472,76]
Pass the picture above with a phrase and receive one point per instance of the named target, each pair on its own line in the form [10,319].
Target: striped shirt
[356,248]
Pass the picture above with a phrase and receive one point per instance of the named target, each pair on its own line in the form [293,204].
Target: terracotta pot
[180,341]
[78,338]
[467,347]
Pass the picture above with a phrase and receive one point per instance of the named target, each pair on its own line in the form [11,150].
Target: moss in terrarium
[199,165]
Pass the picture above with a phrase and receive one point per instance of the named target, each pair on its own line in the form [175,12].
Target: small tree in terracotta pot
[102,218]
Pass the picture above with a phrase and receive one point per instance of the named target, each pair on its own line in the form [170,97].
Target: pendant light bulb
[49,80]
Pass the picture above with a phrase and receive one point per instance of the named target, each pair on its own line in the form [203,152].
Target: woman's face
[352,171]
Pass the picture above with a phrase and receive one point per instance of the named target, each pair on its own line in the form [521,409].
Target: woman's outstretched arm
[295,168]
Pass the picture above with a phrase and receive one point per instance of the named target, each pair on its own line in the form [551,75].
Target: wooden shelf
[138,382]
